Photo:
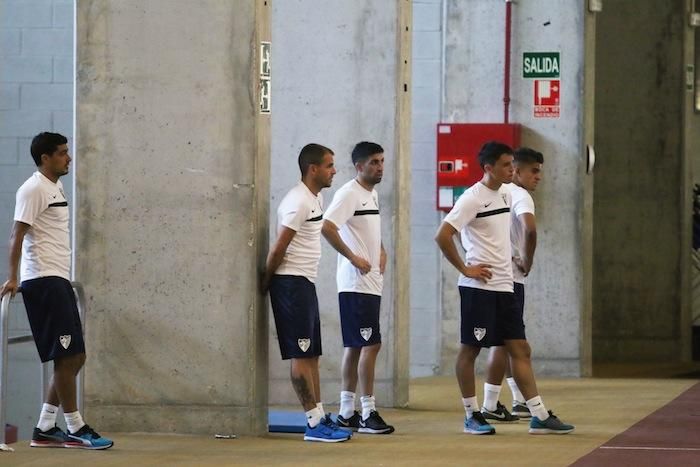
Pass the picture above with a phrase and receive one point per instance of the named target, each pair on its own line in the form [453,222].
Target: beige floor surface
[429,433]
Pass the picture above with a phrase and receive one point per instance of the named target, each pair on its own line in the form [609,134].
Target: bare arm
[528,221]
[275,257]
[330,232]
[444,239]
[19,230]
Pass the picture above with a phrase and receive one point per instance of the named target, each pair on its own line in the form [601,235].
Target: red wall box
[458,145]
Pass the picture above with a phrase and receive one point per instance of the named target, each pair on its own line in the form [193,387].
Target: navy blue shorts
[295,308]
[359,318]
[53,317]
[489,318]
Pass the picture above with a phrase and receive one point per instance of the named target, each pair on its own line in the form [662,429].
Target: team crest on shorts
[366,333]
[479,333]
[304,344]
[65,341]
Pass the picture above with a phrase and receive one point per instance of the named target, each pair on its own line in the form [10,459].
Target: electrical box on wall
[458,145]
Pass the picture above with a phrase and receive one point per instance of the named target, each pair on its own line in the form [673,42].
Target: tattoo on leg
[301,387]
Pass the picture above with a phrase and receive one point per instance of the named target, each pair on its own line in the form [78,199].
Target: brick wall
[36,94]
[36,90]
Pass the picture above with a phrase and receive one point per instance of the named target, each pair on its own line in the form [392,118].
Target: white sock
[537,408]
[517,395]
[347,404]
[47,417]
[314,416]
[74,421]
[491,394]
[471,405]
[319,406]
[367,406]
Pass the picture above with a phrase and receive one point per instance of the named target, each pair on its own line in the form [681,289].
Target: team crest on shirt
[479,333]
[65,341]
[505,198]
[304,344]
[366,333]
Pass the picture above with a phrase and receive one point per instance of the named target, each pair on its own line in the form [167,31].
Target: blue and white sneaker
[87,438]
[326,432]
[52,438]
[550,426]
[477,425]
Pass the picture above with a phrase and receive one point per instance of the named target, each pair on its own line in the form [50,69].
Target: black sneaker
[53,438]
[521,410]
[352,423]
[375,425]
[501,414]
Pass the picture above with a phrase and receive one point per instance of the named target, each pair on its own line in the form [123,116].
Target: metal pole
[506,77]
[4,341]
[80,300]
[45,378]
[4,314]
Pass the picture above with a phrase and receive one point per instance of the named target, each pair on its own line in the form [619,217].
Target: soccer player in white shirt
[40,237]
[289,275]
[352,226]
[489,316]
[523,239]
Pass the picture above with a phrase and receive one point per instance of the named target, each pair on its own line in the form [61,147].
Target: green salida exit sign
[541,65]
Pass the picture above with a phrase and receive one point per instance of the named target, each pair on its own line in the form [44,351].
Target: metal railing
[5,342]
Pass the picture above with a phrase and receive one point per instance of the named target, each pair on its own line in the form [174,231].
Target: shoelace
[88,430]
[328,421]
[374,414]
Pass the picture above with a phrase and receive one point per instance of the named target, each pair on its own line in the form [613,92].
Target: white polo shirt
[301,211]
[42,204]
[355,210]
[522,203]
[482,216]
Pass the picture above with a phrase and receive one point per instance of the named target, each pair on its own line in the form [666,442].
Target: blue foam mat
[283,421]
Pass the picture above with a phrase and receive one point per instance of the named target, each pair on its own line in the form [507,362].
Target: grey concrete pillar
[342,72]
[172,161]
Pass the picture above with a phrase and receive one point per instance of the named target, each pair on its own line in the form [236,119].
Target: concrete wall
[474,57]
[336,66]
[171,147]
[36,94]
[425,219]
[638,184]
[692,148]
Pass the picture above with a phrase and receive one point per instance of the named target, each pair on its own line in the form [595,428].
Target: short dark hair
[312,154]
[364,150]
[527,156]
[46,143]
[491,151]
